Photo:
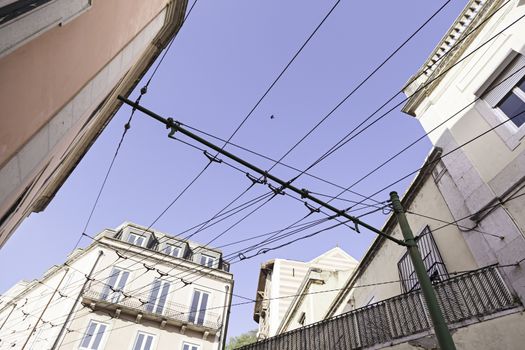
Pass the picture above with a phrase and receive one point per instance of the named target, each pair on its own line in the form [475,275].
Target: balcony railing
[98,296]
[464,297]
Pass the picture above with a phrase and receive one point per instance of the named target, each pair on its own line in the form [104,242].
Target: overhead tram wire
[344,140]
[507,200]
[346,98]
[177,127]
[456,63]
[127,126]
[264,95]
[251,300]
[315,163]
[503,5]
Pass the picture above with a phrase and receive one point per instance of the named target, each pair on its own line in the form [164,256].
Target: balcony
[465,299]
[97,298]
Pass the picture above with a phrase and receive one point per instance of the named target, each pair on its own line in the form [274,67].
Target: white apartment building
[131,288]
[280,305]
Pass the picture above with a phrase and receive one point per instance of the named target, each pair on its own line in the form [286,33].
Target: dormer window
[136,239]
[172,250]
[207,260]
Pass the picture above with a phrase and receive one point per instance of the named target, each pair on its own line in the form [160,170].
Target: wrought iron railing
[139,303]
[464,297]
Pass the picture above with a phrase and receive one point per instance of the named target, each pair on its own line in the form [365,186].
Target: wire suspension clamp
[312,208]
[255,180]
[212,158]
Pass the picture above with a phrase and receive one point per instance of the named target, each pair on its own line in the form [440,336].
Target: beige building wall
[62,65]
[484,178]
[280,280]
[122,327]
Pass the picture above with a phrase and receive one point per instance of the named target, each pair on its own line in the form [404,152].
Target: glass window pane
[98,336]
[149,340]
[514,108]
[131,238]
[202,308]
[194,306]
[162,298]
[521,85]
[153,295]
[138,342]
[186,347]
[89,334]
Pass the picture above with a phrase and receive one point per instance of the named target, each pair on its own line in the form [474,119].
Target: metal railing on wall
[467,296]
[139,303]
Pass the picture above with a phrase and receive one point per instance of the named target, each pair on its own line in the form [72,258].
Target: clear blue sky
[221,62]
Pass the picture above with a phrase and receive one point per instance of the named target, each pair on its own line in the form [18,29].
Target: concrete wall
[58,91]
[489,171]
[505,332]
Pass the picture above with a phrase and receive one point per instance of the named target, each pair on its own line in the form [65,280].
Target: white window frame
[137,237]
[156,303]
[171,248]
[209,261]
[191,346]
[115,297]
[199,309]
[509,132]
[143,345]
[93,338]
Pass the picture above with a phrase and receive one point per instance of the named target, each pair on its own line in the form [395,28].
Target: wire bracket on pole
[304,193]
[312,208]
[212,158]
[255,180]
[356,227]
[172,124]
[277,190]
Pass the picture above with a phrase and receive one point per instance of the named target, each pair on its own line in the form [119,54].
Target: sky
[221,62]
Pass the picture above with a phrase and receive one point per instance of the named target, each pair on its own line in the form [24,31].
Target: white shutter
[506,81]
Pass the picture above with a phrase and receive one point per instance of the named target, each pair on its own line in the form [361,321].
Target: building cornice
[449,50]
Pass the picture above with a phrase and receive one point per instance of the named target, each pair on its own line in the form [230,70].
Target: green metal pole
[440,325]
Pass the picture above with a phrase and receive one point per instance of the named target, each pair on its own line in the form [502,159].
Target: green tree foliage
[241,340]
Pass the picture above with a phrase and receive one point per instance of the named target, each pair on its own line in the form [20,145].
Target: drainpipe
[226,316]
[7,318]
[58,339]
[45,308]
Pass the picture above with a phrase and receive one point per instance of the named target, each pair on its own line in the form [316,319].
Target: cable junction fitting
[212,158]
[312,208]
[255,180]
[277,190]
[304,193]
[172,124]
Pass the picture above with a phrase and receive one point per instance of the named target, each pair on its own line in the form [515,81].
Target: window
[506,94]
[188,346]
[143,341]
[432,260]
[93,337]
[198,307]
[207,260]
[513,104]
[114,287]
[172,250]
[136,239]
[158,296]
